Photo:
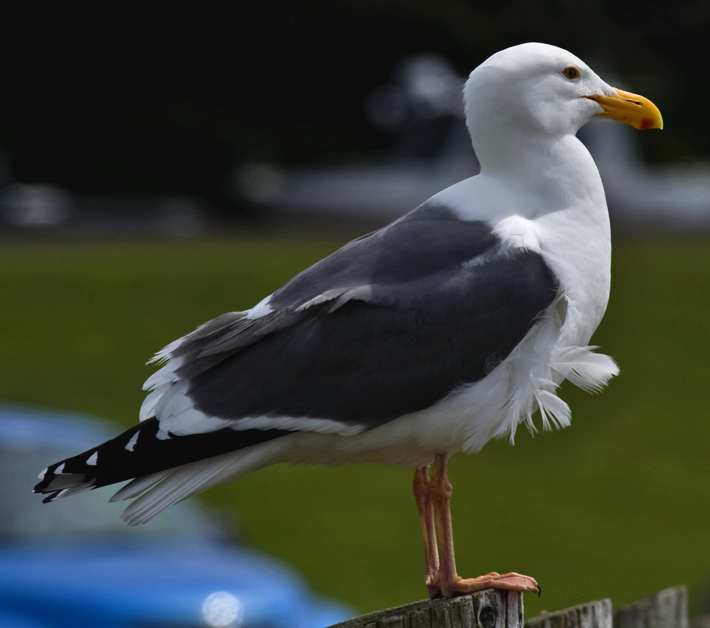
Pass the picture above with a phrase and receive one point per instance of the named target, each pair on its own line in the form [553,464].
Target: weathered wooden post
[486,609]
[590,615]
[667,609]
[500,609]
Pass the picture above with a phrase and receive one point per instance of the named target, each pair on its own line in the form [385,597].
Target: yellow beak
[630,108]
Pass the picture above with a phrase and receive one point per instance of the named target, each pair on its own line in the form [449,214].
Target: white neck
[548,198]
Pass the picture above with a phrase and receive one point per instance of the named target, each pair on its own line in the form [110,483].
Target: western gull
[445,329]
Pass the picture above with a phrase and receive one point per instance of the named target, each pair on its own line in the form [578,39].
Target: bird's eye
[571,73]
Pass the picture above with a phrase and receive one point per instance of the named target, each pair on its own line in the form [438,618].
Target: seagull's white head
[538,90]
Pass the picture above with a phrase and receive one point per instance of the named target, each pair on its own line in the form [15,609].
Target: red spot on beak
[646,123]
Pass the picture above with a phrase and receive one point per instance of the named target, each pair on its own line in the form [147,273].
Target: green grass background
[617,505]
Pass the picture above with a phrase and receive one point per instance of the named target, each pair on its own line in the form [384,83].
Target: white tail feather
[161,490]
[164,375]
[584,368]
[138,486]
[554,411]
[151,401]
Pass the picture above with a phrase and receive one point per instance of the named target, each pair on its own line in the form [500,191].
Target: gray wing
[388,325]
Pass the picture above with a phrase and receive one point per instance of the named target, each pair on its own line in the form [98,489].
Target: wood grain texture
[591,615]
[491,608]
[667,609]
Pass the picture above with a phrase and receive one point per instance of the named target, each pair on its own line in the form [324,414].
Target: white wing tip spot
[132,443]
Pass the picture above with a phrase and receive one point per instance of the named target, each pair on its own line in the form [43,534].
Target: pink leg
[422,495]
[449,582]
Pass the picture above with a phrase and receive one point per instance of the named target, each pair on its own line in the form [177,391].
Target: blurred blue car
[74,563]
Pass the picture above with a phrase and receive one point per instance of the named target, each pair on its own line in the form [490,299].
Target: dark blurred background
[117,112]
[155,100]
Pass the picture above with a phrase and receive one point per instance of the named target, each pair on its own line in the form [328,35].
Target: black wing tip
[56,486]
[51,497]
[40,487]
[46,478]
[57,482]
[66,475]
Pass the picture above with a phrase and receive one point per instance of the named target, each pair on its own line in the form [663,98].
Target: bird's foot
[432,585]
[462,586]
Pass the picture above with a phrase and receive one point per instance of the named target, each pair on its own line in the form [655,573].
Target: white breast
[558,211]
